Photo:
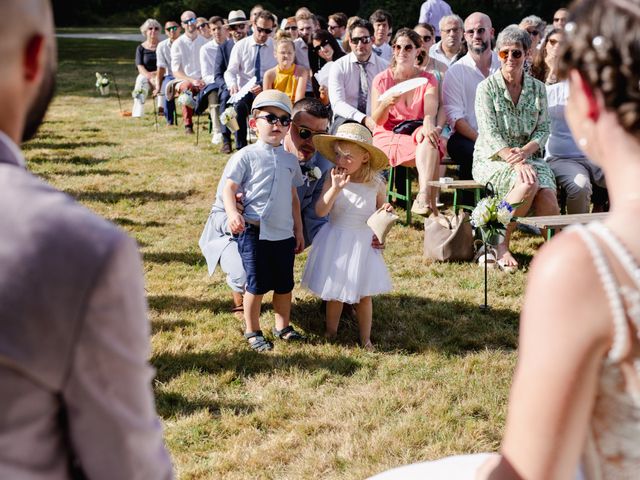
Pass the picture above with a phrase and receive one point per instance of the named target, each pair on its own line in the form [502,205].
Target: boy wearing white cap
[269,230]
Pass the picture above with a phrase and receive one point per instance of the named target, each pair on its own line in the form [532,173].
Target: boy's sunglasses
[317,48]
[171,29]
[504,54]
[272,119]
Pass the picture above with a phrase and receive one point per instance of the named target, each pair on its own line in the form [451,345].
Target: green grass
[437,384]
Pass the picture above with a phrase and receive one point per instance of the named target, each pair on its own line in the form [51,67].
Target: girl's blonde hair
[365,173]
[283,37]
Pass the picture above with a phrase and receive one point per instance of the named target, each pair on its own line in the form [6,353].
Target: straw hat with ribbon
[237,17]
[352,133]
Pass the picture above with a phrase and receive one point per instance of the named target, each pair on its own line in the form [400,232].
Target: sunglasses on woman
[292,28]
[202,26]
[317,48]
[427,38]
[407,48]
[272,119]
[504,54]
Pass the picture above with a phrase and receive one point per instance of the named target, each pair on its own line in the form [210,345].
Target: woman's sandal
[288,334]
[420,207]
[260,344]
[492,255]
[506,268]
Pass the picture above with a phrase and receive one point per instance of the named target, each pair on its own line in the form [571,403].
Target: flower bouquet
[140,94]
[102,83]
[491,216]
[228,119]
[186,99]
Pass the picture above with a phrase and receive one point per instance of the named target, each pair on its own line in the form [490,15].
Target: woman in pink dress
[421,148]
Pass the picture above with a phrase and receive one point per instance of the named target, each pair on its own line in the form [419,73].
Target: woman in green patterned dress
[513,126]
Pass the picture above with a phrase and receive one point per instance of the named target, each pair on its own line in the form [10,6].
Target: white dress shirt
[437,53]
[432,11]
[387,51]
[208,60]
[459,89]
[241,67]
[344,85]
[163,55]
[185,55]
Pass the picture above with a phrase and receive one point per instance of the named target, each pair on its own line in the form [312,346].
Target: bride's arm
[565,333]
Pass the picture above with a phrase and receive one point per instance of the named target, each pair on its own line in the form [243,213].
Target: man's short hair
[381,16]
[361,23]
[266,15]
[340,18]
[448,18]
[313,107]
[216,19]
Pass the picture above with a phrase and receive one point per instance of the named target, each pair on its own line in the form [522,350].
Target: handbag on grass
[381,222]
[407,127]
[448,237]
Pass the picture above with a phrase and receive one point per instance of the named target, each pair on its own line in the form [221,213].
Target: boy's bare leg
[282,309]
[364,313]
[252,312]
[332,317]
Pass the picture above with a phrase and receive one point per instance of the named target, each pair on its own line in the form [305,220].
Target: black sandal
[260,344]
[288,334]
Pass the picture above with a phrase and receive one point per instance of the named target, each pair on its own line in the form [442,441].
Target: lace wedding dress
[612,450]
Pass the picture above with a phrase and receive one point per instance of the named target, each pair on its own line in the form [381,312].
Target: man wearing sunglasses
[351,77]
[337,25]
[185,63]
[237,25]
[164,74]
[459,91]
[250,58]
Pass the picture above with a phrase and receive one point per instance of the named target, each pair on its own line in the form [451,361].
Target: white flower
[504,215]
[227,115]
[481,215]
[140,94]
[186,99]
[101,80]
[315,173]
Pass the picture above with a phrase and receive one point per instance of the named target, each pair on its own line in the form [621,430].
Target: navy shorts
[267,263]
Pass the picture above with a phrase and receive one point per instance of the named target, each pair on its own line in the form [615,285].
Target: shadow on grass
[127,222]
[245,363]
[189,258]
[142,196]
[73,160]
[172,404]
[168,325]
[416,324]
[83,173]
[180,303]
[44,142]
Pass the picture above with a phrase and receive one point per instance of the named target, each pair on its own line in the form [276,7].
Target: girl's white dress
[342,265]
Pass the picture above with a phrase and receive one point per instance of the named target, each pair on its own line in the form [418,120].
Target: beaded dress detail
[612,450]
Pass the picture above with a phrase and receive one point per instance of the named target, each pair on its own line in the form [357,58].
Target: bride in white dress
[574,408]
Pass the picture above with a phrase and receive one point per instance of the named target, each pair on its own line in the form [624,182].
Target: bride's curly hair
[603,44]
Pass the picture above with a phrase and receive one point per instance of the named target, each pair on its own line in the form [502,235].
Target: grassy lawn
[436,385]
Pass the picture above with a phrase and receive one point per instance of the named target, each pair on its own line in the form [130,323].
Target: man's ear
[34,58]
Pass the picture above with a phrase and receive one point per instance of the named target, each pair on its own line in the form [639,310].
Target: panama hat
[272,98]
[237,17]
[353,133]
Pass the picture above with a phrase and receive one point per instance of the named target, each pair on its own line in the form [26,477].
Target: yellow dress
[286,81]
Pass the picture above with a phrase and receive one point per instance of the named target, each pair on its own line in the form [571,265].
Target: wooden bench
[554,222]
[456,185]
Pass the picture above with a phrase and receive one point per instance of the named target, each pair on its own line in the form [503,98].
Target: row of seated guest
[574,172]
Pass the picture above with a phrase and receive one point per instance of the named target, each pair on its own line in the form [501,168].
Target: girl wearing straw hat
[342,266]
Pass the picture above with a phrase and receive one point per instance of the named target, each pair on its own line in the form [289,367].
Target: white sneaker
[216,138]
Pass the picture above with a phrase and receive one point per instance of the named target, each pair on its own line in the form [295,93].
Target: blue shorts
[268,264]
